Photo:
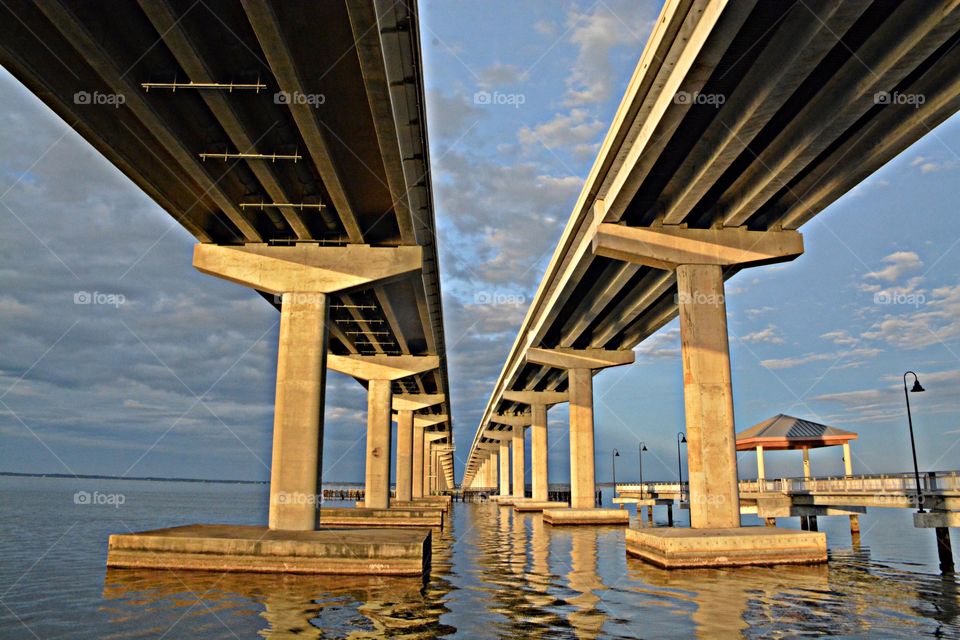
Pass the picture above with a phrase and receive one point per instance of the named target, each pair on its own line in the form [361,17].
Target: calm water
[495,574]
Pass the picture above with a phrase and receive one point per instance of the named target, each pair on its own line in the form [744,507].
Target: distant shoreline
[149,478]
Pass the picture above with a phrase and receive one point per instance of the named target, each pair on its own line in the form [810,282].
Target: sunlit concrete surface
[676,548]
[263,550]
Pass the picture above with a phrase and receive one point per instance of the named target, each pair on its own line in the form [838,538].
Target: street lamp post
[613,456]
[640,451]
[681,439]
[916,470]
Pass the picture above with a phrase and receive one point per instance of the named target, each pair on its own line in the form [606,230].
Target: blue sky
[177,378]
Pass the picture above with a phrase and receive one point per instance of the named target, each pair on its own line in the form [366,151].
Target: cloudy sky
[166,372]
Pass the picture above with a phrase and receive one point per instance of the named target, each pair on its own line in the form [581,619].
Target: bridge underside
[290,140]
[741,123]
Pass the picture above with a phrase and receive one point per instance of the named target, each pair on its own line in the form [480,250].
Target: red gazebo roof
[783,432]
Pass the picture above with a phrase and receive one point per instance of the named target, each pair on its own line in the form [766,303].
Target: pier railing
[933,482]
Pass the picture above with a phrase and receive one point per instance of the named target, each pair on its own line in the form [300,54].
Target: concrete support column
[379,404]
[519,475]
[298,415]
[504,468]
[432,470]
[405,455]
[416,484]
[806,463]
[708,398]
[583,494]
[538,452]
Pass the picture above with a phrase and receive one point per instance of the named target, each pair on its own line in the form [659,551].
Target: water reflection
[291,605]
[497,573]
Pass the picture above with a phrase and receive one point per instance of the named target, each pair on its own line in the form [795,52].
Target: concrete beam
[381,367]
[668,247]
[306,268]
[521,420]
[935,519]
[536,397]
[429,420]
[417,401]
[579,358]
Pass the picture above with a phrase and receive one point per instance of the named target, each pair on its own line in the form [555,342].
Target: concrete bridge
[742,122]
[296,153]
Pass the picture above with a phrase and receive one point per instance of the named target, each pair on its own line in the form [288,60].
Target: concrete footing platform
[534,505]
[416,503]
[397,552]
[586,516]
[672,548]
[393,517]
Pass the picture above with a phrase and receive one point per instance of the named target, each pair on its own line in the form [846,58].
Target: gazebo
[783,432]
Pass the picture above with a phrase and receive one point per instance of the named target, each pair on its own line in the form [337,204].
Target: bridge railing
[900,483]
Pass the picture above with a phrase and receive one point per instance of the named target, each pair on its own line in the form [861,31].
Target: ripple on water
[495,573]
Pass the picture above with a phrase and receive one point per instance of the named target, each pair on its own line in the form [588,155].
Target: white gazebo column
[761,474]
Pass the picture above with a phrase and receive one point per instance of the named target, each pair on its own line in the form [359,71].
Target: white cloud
[576,131]
[664,344]
[931,320]
[840,337]
[898,264]
[500,75]
[614,24]
[838,356]
[931,165]
[768,335]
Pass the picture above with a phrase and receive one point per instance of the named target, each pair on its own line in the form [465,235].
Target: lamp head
[916,387]
[683,438]
[616,453]
[643,447]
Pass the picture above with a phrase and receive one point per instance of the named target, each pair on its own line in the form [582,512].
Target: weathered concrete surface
[558,517]
[404,455]
[418,503]
[673,548]
[583,493]
[379,419]
[372,517]
[526,506]
[538,453]
[298,417]
[934,519]
[708,398]
[263,550]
